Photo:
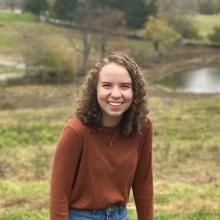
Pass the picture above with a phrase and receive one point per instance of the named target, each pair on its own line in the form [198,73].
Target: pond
[205,80]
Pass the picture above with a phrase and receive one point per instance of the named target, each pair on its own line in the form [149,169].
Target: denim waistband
[115,208]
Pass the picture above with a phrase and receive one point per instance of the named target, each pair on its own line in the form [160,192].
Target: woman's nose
[115,93]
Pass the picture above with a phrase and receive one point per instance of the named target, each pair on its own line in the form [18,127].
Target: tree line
[135,11]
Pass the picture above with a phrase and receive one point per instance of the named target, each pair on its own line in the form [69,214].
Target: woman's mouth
[115,104]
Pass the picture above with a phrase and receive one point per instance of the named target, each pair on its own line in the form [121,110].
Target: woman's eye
[125,86]
[106,86]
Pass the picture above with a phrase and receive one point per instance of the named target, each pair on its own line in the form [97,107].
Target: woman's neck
[110,123]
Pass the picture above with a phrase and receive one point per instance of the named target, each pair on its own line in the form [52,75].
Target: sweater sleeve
[64,168]
[142,185]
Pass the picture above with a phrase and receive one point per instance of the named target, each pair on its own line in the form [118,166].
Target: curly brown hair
[88,109]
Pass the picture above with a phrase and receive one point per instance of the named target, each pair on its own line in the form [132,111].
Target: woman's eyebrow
[106,82]
[126,83]
[122,83]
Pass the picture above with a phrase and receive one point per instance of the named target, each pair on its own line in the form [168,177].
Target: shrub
[160,33]
[57,63]
[48,60]
[215,36]
[184,26]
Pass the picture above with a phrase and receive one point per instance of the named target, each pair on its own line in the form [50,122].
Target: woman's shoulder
[147,126]
[76,124]
[148,122]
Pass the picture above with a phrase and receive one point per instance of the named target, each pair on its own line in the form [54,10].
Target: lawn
[7,69]
[28,200]
[206,23]
[15,17]
[186,149]
[18,31]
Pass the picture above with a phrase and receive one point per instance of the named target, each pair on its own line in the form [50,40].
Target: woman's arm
[64,167]
[143,181]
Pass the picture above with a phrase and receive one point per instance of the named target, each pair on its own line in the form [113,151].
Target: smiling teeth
[115,103]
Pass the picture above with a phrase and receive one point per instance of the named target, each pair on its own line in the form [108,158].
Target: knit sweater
[95,169]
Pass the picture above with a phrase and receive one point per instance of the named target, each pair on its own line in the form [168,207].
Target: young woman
[106,148]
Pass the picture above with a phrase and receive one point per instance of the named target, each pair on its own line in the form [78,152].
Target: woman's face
[114,93]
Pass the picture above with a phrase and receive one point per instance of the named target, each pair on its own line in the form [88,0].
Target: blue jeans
[114,212]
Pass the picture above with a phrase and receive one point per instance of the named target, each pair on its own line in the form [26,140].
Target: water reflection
[206,80]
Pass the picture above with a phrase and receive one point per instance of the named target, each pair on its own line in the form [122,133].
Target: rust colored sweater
[89,173]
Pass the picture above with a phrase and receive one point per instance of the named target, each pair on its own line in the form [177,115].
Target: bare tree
[109,23]
[97,26]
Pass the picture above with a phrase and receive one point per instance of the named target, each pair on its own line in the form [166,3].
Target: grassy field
[15,17]
[186,152]
[186,137]
[19,31]
[206,23]
[7,69]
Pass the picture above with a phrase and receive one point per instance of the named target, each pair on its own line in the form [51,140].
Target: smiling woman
[114,93]
[106,148]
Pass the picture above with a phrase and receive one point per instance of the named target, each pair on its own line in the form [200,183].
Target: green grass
[36,128]
[172,192]
[23,135]
[195,215]
[9,37]
[21,214]
[8,69]
[186,201]
[141,46]
[26,189]
[8,42]
[206,23]
[14,17]
[23,199]
[188,132]
[186,149]
[15,35]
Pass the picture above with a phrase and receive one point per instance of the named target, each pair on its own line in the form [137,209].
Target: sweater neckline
[109,129]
